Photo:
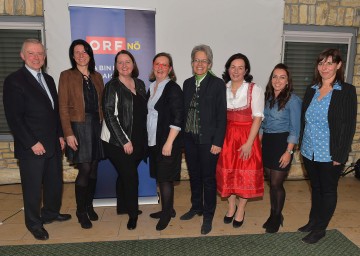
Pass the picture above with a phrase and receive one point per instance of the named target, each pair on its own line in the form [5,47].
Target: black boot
[90,197]
[84,220]
[81,196]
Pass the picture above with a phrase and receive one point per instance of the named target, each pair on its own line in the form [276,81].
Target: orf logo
[106,45]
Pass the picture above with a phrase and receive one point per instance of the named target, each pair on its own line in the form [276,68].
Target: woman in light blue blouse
[279,132]
[328,120]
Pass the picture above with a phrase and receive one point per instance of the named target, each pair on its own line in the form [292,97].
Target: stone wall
[300,12]
[344,13]
[21,7]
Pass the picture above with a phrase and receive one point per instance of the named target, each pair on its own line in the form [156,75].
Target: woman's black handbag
[355,167]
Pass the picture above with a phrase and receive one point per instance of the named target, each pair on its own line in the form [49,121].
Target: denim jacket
[285,120]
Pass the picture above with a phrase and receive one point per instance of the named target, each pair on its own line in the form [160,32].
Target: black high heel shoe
[228,220]
[274,224]
[238,224]
[266,224]
[157,215]
[163,222]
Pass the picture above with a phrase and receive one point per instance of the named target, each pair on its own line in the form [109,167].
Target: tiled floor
[113,227]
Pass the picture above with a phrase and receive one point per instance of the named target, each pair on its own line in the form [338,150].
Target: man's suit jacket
[212,108]
[30,114]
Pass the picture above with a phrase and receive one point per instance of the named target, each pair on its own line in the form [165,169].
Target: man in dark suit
[31,109]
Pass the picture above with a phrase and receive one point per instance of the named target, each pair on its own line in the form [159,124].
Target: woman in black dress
[164,122]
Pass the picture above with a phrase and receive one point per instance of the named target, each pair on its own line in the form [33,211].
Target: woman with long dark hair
[80,95]
[280,133]
[239,172]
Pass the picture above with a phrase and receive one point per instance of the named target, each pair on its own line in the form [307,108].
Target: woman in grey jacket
[124,131]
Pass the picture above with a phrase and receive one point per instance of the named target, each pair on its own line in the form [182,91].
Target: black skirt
[88,137]
[165,168]
[274,146]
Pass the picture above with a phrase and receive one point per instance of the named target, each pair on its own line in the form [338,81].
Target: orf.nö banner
[109,30]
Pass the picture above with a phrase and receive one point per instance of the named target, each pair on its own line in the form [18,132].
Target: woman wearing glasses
[328,122]
[239,171]
[164,122]
[80,95]
[124,131]
[205,124]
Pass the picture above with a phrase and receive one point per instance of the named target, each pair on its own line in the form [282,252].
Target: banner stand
[105,194]
[106,202]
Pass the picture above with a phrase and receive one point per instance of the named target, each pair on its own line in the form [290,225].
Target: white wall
[252,27]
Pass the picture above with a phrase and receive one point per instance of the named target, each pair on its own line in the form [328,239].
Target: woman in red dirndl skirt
[239,171]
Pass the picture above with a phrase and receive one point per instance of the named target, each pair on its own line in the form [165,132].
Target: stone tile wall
[345,13]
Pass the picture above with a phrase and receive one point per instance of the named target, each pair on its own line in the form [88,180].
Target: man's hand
[38,149]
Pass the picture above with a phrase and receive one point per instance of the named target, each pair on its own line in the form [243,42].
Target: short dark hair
[284,95]
[134,73]
[87,49]
[336,57]
[248,78]
[172,75]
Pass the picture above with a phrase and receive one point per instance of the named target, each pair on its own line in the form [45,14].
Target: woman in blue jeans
[328,126]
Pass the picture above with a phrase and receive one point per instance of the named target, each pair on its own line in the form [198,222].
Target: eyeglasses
[160,65]
[197,61]
[326,64]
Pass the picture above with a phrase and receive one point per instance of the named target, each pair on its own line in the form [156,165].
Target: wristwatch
[290,151]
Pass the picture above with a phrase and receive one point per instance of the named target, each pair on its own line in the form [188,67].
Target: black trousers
[324,177]
[127,182]
[41,178]
[201,164]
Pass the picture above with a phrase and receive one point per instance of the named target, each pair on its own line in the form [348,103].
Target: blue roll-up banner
[109,30]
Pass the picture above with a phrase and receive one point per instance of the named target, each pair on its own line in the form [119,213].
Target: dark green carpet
[263,244]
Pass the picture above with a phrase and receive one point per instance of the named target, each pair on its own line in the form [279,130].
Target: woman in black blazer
[124,131]
[328,126]
[205,125]
[164,122]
